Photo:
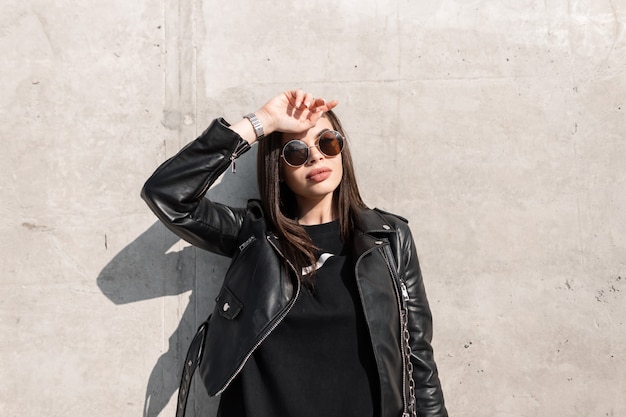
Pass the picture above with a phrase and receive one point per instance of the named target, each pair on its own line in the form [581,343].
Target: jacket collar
[372,232]
[373,222]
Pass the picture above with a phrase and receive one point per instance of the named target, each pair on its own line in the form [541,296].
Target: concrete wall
[496,127]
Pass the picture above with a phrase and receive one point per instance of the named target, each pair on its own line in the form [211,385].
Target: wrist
[266,121]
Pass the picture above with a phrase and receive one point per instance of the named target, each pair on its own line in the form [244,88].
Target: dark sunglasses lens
[331,143]
[296,152]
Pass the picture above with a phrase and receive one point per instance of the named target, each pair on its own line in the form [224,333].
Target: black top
[318,362]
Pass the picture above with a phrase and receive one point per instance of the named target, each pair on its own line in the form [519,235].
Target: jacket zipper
[400,304]
[278,320]
[233,165]
[240,148]
[246,243]
[402,296]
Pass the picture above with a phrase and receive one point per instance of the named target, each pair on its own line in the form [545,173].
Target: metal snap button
[226,307]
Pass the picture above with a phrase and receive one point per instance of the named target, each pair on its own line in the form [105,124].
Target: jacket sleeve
[175,191]
[428,393]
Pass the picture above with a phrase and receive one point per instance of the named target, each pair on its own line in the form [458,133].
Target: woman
[324,296]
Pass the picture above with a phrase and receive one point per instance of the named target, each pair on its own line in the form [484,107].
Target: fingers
[298,99]
[322,105]
[294,111]
[307,100]
[301,100]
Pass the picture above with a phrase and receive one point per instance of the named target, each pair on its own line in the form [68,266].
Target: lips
[319,174]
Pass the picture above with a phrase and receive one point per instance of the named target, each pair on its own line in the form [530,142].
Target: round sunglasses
[296,152]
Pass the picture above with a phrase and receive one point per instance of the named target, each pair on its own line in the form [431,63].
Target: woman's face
[317,179]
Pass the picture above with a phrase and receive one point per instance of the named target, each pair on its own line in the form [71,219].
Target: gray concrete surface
[496,127]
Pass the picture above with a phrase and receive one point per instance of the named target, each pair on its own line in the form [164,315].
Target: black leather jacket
[258,292]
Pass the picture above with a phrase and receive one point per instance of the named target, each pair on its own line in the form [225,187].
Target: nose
[314,154]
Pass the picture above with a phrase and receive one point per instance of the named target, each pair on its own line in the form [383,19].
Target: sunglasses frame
[338,137]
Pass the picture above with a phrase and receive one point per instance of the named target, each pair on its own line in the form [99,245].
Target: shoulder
[399,224]
[377,220]
[392,217]
[390,214]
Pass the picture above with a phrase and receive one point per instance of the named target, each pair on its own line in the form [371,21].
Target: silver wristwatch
[256,124]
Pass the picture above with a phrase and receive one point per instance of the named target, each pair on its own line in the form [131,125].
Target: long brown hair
[280,205]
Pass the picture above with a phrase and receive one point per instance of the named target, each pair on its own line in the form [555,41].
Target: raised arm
[292,111]
[175,192]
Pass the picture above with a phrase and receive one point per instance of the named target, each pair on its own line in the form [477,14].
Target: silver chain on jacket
[410,409]
[411,412]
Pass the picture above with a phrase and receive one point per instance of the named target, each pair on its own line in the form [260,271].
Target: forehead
[311,134]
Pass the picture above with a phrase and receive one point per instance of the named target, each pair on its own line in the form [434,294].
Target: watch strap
[256,124]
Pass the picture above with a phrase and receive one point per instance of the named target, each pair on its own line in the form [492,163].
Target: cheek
[339,165]
[285,172]
[289,175]
[339,174]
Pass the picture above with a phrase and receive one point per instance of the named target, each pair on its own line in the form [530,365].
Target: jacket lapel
[372,232]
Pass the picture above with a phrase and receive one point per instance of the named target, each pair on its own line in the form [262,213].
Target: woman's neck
[316,212]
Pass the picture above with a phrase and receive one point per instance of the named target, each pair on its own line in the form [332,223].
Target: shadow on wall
[147,268]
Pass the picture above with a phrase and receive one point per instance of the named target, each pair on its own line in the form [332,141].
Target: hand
[293,111]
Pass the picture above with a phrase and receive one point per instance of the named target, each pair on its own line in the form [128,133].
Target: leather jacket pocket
[227,304]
